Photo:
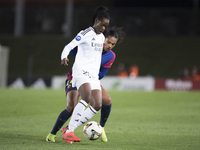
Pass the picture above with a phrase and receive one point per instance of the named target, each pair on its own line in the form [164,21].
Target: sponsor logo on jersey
[78,38]
[97,46]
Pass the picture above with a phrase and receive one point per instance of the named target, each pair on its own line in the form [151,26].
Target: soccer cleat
[103,136]
[50,137]
[64,129]
[69,142]
[70,137]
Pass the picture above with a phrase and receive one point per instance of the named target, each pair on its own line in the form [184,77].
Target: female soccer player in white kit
[113,35]
[86,69]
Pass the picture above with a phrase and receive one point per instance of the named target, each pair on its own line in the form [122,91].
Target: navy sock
[62,118]
[105,112]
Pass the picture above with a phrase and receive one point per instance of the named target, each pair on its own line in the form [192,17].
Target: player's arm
[75,42]
[73,53]
[103,72]
[106,62]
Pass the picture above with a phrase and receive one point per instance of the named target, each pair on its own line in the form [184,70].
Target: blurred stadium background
[163,37]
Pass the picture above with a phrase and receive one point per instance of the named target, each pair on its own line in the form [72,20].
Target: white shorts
[77,81]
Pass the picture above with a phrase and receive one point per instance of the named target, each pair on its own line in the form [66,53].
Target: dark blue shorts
[68,86]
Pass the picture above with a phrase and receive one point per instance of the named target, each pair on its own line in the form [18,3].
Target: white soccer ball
[92,130]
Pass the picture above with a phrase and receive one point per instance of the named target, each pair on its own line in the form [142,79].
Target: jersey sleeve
[75,42]
[108,59]
[106,62]
[102,72]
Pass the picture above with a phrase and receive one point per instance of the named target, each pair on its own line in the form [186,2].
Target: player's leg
[96,100]
[85,93]
[95,103]
[106,107]
[72,100]
[105,112]
[94,107]
[84,88]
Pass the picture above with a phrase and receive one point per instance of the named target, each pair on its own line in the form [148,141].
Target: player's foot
[64,129]
[70,137]
[103,136]
[69,142]
[50,137]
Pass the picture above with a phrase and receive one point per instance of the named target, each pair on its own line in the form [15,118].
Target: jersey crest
[78,38]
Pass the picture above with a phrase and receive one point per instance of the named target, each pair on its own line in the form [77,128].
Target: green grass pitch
[157,120]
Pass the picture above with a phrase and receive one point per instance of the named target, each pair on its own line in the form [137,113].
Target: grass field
[138,121]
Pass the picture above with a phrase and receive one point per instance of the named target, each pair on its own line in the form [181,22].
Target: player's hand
[64,62]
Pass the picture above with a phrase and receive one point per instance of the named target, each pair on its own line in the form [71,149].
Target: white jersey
[88,57]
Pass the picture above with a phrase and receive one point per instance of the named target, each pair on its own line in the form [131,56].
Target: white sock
[79,108]
[86,115]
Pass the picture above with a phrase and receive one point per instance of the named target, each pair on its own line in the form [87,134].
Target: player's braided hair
[115,32]
[101,13]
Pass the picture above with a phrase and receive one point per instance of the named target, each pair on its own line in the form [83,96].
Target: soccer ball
[92,130]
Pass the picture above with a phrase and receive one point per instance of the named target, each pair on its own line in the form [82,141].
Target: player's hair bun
[102,8]
[100,13]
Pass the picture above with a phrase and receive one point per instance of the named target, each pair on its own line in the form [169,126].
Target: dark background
[163,36]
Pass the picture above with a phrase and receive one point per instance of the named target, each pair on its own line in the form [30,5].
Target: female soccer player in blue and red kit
[113,36]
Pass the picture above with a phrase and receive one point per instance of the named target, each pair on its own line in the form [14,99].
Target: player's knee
[106,101]
[70,109]
[86,96]
[97,106]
